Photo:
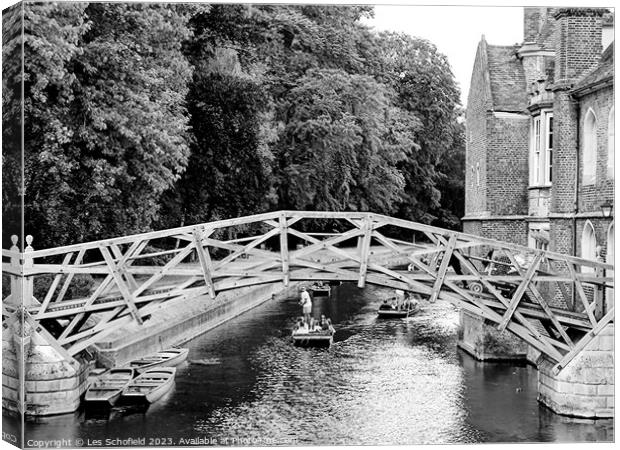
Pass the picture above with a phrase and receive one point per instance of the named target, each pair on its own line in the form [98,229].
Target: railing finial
[28,243]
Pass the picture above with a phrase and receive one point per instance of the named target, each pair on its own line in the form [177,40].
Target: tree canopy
[142,116]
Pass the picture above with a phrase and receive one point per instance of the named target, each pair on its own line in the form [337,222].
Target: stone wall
[481,339]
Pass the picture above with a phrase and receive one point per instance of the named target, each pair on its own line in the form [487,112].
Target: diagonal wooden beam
[164,269]
[246,249]
[55,283]
[118,279]
[526,323]
[581,293]
[518,295]
[67,282]
[443,267]
[205,261]
[122,259]
[607,318]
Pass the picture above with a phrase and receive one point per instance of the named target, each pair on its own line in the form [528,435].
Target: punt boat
[106,389]
[166,358]
[387,312]
[321,289]
[149,386]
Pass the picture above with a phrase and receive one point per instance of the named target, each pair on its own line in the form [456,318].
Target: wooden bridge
[557,303]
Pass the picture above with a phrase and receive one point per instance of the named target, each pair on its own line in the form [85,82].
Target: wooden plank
[284,254]
[205,262]
[67,282]
[364,250]
[443,267]
[518,295]
[129,300]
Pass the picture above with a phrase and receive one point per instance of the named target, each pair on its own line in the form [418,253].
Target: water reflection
[382,382]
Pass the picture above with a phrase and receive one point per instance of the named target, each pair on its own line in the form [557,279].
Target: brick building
[540,135]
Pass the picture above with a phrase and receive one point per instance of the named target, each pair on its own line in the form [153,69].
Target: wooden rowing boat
[149,386]
[166,358]
[106,389]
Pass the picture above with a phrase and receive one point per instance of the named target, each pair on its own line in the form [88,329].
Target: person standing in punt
[306,304]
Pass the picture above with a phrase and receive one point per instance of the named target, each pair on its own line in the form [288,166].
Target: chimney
[579,42]
[533,18]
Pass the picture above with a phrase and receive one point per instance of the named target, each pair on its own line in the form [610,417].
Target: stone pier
[585,387]
[485,342]
[54,381]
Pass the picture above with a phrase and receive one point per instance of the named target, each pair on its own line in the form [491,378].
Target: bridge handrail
[416,226]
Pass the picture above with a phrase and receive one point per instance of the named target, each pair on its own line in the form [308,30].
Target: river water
[400,381]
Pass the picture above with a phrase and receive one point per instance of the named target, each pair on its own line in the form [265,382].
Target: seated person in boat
[394,304]
[301,326]
[324,323]
[385,304]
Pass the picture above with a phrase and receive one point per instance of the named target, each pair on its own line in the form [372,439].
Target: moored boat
[166,358]
[321,289]
[149,386]
[106,389]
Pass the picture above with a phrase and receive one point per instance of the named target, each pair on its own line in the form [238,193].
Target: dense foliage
[141,116]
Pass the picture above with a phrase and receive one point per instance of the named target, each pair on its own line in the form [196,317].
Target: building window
[589,148]
[477,174]
[549,149]
[541,146]
[588,245]
[610,144]
[538,236]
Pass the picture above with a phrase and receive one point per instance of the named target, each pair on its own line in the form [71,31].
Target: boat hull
[149,386]
[396,313]
[177,356]
[107,390]
[313,340]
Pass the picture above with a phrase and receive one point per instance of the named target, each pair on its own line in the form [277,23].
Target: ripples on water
[382,382]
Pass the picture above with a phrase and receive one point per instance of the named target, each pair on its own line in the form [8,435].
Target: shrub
[81,286]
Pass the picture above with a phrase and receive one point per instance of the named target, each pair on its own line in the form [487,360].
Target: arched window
[588,245]
[609,259]
[610,144]
[589,148]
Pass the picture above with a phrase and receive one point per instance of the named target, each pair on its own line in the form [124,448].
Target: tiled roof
[603,71]
[507,79]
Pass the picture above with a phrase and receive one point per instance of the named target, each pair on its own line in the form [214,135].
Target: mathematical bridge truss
[554,302]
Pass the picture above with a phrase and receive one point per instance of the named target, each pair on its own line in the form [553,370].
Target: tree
[123,128]
[340,145]
[227,174]
[425,86]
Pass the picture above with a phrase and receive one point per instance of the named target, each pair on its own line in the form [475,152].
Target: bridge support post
[585,387]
